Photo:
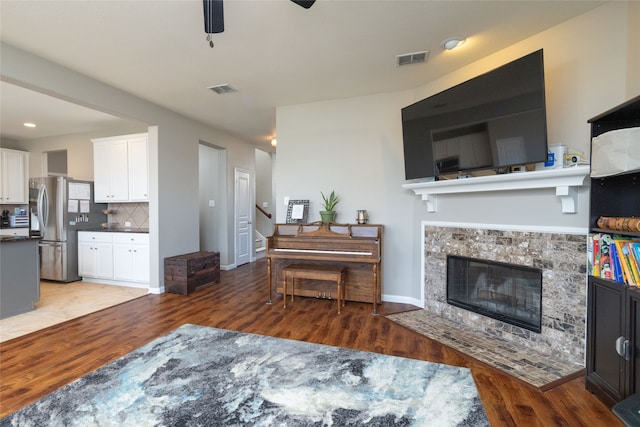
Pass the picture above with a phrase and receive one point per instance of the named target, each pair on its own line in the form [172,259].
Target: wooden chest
[184,274]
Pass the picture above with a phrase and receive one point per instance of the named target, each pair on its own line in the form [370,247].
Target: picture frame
[297,211]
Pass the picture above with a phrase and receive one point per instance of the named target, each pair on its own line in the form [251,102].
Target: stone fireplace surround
[561,256]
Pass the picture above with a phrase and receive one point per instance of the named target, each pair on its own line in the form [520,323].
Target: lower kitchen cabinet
[131,257]
[120,258]
[95,255]
[613,340]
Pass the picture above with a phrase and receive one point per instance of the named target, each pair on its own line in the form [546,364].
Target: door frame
[237,173]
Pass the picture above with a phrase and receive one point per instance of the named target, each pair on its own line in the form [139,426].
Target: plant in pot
[329,204]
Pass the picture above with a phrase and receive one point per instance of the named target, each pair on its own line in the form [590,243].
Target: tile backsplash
[135,213]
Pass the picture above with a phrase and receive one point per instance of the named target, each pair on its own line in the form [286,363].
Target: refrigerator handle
[60,207]
[43,209]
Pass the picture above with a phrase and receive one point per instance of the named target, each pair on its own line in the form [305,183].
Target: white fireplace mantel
[565,181]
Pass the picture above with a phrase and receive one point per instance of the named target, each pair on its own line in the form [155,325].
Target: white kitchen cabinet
[120,168]
[14,231]
[131,257]
[95,254]
[118,258]
[138,169]
[14,176]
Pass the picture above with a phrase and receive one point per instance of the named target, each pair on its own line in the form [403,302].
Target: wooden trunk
[184,274]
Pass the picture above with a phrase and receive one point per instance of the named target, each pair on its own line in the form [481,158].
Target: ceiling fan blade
[213,16]
[304,3]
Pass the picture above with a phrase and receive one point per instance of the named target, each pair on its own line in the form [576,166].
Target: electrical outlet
[212,203]
[127,224]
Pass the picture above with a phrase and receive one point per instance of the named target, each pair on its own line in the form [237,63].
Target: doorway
[243,216]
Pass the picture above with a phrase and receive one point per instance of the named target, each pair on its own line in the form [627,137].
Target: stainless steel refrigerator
[59,207]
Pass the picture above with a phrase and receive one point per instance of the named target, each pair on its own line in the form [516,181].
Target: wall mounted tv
[491,122]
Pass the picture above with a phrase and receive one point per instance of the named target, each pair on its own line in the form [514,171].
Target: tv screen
[493,121]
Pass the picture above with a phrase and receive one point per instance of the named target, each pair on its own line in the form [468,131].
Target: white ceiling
[273,52]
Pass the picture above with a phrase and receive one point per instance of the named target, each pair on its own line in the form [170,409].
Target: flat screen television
[491,122]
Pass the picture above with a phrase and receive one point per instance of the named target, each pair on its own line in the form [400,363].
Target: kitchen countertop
[10,239]
[121,230]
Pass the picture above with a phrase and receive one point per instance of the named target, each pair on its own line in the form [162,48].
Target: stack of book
[614,257]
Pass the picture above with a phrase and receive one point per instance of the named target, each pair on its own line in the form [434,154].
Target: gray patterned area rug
[200,376]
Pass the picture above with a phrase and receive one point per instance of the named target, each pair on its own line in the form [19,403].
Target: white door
[243,217]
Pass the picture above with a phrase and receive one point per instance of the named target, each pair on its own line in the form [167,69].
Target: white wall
[173,149]
[354,146]
[264,192]
[211,189]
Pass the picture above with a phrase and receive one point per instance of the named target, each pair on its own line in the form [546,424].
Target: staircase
[260,245]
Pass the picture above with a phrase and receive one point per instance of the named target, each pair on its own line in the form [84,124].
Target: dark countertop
[120,230]
[11,239]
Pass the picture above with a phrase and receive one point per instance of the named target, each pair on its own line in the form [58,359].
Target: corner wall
[354,146]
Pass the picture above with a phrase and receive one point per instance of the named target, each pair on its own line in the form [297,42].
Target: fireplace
[506,292]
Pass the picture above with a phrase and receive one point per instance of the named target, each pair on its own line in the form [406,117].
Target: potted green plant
[329,204]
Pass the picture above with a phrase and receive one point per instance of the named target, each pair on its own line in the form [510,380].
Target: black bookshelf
[613,309]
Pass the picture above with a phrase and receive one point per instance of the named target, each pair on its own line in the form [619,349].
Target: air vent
[222,89]
[412,58]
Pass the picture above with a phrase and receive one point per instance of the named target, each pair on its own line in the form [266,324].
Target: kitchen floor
[61,302]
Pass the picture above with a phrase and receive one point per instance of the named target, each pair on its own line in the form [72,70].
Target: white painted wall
[354,146]
[173,149]
[211,189]
[264,193]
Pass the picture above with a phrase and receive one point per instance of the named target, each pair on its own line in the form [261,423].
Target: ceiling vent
[222,89]
[412,58]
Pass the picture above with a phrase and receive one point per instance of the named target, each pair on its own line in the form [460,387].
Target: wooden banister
[265,213]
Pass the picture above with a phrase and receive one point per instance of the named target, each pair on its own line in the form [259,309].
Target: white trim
[139,285]
[402,300]
[506,227]
[564,181]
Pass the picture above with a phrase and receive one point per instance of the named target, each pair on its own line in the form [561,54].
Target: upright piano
[358,247]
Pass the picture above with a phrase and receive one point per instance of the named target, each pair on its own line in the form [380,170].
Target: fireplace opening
[507,292]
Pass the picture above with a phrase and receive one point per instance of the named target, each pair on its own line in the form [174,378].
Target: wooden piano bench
[314,272]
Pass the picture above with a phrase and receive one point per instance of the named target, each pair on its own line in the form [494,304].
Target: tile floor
[541,371]
[60,302]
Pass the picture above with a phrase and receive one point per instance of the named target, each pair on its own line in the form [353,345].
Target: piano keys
[358,247]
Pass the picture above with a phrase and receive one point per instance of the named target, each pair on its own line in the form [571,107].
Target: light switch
[212,203]
[286,200]
[265,205]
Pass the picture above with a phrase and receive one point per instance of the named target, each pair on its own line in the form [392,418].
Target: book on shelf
[627,250]
[614,257]
[616,267]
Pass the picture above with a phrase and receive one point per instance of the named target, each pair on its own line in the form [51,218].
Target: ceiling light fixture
[29,125]
[453,42]
[213,18]
[274,142]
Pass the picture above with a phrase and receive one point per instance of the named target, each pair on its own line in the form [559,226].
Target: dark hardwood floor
[36,364]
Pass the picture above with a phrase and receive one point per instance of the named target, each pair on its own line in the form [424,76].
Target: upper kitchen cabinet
[14,177]
[120,168]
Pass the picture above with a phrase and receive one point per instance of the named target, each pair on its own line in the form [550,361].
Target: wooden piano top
[349,242]
[334,230]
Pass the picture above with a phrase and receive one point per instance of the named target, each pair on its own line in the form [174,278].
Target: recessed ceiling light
[453,42]
[29,125]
